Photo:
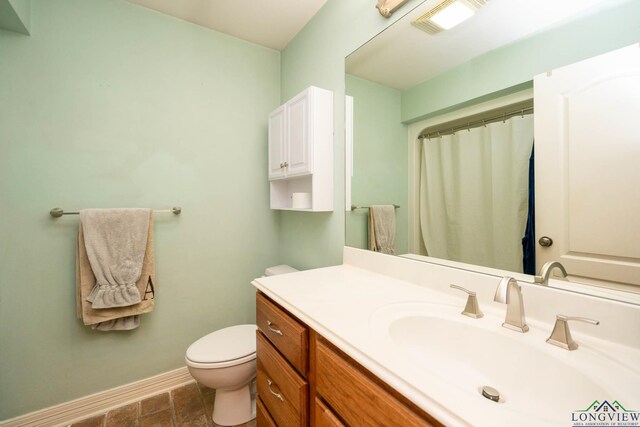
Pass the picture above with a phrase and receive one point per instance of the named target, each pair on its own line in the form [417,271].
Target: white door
[299,138]
[587,154]
[277,143]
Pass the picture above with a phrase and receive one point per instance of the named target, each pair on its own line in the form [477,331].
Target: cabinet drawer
[289,336]
[355,397]
[325,417]
[263,419]
[283,391]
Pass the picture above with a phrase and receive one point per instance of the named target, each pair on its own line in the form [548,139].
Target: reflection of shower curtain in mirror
[474,194]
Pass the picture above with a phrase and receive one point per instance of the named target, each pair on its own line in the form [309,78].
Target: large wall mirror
[504,143]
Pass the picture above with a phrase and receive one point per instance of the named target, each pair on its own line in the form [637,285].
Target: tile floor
[187,406]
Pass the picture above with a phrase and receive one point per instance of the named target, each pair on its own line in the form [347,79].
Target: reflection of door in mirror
[587,167]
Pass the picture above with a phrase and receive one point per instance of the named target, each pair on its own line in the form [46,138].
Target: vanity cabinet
[356,395]
[301,150]
[283,391]
[324,417]
[262,415]
[303,380]
[282,345]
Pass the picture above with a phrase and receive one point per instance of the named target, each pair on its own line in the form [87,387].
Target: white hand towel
[115,240]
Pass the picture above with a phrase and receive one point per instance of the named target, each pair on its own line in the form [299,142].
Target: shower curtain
[474,194]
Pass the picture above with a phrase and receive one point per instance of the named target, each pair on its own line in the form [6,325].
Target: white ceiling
[270,23]
[403,56]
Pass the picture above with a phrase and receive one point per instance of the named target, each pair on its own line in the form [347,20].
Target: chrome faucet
[561,336]
[510,293]
[545,272]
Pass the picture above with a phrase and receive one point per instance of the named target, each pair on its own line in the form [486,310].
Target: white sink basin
[540,381]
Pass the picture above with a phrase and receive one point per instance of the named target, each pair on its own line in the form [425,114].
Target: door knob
[545,241]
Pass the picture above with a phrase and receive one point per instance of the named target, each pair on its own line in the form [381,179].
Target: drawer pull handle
[277,331]
[278,395]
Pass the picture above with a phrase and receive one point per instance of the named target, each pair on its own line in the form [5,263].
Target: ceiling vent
[447,14]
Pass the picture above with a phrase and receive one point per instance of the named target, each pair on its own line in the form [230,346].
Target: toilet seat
[223,348]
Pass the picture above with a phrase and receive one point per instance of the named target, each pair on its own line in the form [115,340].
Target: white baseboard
[99,403]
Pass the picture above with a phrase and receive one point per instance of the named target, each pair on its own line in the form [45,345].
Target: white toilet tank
[279,269]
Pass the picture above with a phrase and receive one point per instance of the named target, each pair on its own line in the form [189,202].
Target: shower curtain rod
[476,123]
[58,212]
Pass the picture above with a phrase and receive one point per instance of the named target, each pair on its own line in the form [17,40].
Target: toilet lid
[224,345]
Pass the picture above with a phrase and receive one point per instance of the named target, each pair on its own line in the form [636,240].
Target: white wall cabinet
[301,150]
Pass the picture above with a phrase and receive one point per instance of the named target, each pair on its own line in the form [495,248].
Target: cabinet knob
[281,165]
[286,164]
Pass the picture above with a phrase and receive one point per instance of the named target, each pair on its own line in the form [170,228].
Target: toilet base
[233,407]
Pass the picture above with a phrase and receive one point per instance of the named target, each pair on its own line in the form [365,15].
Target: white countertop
[338,303]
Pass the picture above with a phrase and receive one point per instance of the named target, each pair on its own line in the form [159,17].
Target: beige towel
[372,231]
[85,282]
[115,241]
[382,229]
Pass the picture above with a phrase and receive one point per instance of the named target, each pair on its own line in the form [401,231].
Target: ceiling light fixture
[452,15]
[387,7]
[447,14]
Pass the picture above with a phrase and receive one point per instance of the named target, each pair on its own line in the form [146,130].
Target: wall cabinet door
[587,175]
[299,138]
[277,134]
[290,138]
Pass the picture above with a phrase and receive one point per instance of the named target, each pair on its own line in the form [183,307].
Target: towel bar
[353,207]
[58,212]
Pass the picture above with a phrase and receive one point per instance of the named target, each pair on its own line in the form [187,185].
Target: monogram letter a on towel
[114,267]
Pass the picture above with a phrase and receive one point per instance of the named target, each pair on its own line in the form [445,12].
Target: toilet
[225,360]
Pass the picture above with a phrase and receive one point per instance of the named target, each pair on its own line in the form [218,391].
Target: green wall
[108,104]
[514,65]
[15,15]
[316,57]
[380,159]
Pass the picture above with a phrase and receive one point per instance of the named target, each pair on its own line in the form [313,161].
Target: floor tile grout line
[208,418]
[174,420]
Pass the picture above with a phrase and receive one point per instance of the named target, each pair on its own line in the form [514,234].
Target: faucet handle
[471,309]
[561,335]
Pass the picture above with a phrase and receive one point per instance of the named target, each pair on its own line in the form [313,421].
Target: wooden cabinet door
[277,142]
[587,154]
[324,417]
[355,397]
